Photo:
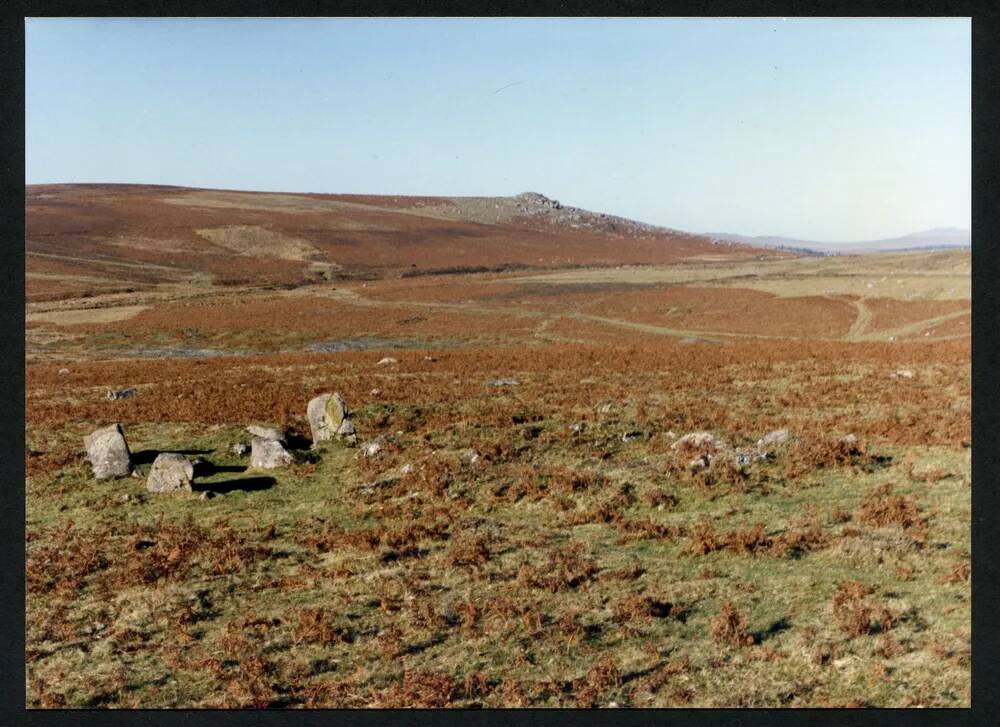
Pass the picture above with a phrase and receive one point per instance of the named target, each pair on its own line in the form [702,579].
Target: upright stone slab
[268,454]
[108,452]
[329,417]
[170,472]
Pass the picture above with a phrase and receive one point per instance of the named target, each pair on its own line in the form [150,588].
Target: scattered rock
[629,436]
[371,448]
[702,442]
[63,372]
[329,417]
[504,382]
[605,409]
[406,469]
[271,433]
[469,457]
[108,452]
[430,358]
[778,436]
[577,428]
[116,394]
[701,462]
[268,454]
[902,374]
[375,392]
[850,440]
[388,360]
[207,495]
[744,457]
[170,472]
[239,449]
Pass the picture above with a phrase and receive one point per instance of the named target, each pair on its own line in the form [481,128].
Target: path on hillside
[857,330]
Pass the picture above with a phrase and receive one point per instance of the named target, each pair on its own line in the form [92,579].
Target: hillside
[91,238]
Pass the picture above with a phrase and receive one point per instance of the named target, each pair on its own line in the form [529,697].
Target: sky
[810,128]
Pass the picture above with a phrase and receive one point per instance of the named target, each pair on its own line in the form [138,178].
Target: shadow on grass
[246,484]
[782,624]
[207,469]
[146,456]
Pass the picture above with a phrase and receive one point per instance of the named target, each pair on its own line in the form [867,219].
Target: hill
[939,238]
[96,238]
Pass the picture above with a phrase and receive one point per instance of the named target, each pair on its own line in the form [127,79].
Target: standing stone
[267,454]
[170,472]
[329,417]
[108,452]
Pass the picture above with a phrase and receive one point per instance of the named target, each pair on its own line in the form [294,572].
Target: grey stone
[387,361]
[505,382]
[239,449]
[778,436]
[704,442]
[329,417]
[108,452]
[268,454]
[271,433]
[170,472]
[116,394]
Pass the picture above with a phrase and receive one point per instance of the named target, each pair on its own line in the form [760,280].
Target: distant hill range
[940,238]
[83,239]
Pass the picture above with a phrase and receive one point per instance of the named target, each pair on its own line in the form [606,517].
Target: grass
[505,546]
[432,589]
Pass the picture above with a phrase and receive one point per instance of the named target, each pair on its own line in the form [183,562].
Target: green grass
[787,600]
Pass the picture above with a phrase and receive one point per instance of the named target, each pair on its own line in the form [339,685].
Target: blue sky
[821,129]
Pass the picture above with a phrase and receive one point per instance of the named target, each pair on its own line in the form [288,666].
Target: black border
[985,360]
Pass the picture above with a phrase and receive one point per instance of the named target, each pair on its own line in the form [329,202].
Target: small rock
[778,436]
[347,432]
[606,409]
[700,463]
[267,454]
[704,442]
[266,433]
[387,361]
[170,472]
[504,382]
[470,457]
[849,440]
[577,428]
[239,449]
[902,374]
[207,495]
[430,358]
[115,395]
[108,452]
[374,392]
[63,372]
[406,469]
[629,436]
[125,498]
[371,448]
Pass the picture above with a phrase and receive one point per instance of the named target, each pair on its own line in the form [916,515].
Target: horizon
[822,130]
